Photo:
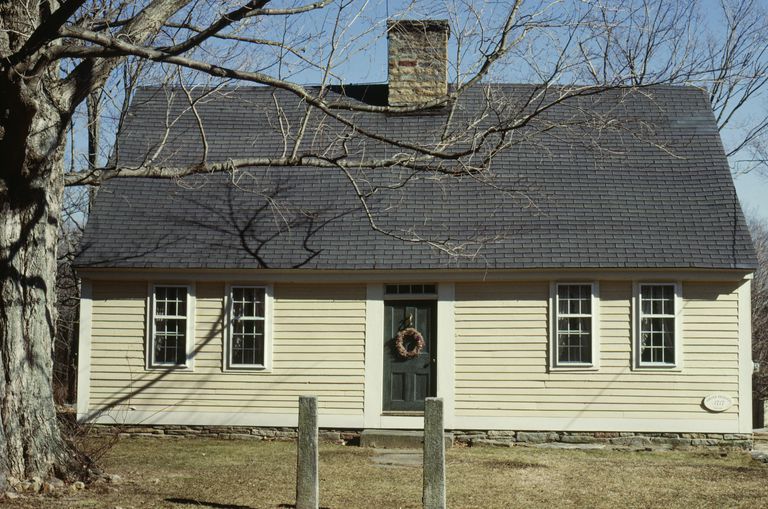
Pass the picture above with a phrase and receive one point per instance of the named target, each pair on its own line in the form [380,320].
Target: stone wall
[343,437]
[418,61]
[501,438]
[609,439]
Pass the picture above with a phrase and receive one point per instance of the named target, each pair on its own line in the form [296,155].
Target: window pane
[645,306]
[669,305]
[247,341]
[657,340]
[574,340]
[170,301]
[170,339]
[248,302]
[574,334]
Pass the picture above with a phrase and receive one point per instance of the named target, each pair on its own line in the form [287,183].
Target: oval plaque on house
[718,402]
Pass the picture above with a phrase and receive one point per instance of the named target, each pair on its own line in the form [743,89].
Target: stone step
[397,439]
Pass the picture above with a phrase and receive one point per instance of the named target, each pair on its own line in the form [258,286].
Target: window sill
[659,369]
[180,369]
[246,369]
[583,367]
[402,413]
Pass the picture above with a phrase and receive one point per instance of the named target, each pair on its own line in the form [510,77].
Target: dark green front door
[408,381]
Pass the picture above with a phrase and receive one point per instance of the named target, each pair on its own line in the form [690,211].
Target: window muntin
[247,339]
[410,289]
[657,325]
[574,324]
[169,326]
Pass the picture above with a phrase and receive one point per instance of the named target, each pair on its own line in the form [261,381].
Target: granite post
[307,481]
[434,455]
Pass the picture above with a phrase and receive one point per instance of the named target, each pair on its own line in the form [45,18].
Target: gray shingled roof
[623,179]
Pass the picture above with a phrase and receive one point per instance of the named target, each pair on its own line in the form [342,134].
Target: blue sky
[753,194]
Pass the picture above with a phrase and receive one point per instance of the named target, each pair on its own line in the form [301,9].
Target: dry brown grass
[242,474]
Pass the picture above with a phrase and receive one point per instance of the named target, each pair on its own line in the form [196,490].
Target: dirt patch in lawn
[248,475]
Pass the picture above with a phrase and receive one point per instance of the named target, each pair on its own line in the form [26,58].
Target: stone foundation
[630,440]
[343,437]
[498,438]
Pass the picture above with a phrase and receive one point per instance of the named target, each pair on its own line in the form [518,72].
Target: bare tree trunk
[32,124]
[30,442]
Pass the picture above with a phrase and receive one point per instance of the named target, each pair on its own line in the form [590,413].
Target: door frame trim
[374,360]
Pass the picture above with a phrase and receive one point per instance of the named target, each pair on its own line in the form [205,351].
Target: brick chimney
[418,61]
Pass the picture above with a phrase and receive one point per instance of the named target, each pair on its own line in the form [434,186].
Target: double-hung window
[170,331]
[657,325]
[247,345]
[574,342]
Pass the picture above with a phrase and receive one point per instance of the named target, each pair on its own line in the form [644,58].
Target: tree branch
[45,32]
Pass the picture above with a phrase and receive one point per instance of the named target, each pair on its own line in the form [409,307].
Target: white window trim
[637,364]
[554,365]
[149,357]
[226,362]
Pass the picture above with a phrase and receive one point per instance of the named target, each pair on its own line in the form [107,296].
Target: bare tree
[72,64]
[759,231]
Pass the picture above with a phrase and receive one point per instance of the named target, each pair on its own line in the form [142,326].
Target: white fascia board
[84,349]
[374,355]
[412,276]
[745,357]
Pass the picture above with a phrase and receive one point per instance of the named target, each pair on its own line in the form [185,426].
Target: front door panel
[407,382]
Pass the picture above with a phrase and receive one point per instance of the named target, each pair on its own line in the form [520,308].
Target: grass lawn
[243,474]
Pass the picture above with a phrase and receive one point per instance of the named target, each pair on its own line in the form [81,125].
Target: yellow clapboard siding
[501,353]
[628,390]
[219,386]
[188,406]
[679,406]
[229,400]
[660,413]
[318,347]
[496,377]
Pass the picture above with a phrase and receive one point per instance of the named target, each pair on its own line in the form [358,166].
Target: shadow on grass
[216,505]
[202,503]
[513,464]
[293,506]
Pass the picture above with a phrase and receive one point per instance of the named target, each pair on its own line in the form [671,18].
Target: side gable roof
[621,179]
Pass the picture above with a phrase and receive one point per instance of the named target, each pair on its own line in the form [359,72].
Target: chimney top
[418,60]
[419,24]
